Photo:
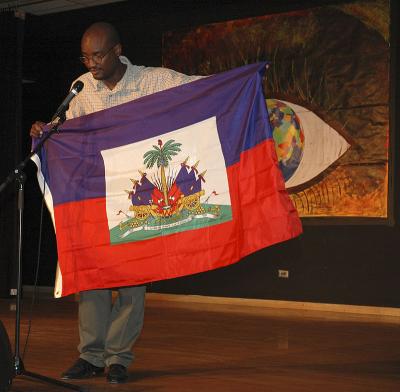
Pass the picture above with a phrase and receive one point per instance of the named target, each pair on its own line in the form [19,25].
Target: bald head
[106,31]
[101,48]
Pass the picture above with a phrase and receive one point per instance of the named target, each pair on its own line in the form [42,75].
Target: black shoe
[117,374]
[81,369]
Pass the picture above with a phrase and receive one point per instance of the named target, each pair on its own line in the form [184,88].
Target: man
[108,332]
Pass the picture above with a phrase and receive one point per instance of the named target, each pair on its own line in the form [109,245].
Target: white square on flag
[182,186]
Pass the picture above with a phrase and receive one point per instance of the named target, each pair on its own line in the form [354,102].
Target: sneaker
[117,374]
[81,369]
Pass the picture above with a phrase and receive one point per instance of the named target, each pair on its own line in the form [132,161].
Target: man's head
[101,47]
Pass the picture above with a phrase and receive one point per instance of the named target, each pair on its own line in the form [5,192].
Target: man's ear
[118,49]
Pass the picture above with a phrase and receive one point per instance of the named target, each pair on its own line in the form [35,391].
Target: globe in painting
[288,136]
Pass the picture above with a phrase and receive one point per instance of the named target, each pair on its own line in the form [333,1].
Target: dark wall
[11,32]
[336,264]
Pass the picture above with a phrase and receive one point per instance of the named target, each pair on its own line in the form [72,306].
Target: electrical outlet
[13,292]
[283,274]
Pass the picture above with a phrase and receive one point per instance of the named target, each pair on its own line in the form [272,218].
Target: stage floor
[204,347]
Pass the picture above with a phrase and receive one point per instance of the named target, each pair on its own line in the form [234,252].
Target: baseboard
[238,304]
[256,305]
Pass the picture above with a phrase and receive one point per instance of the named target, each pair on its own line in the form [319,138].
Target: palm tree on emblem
[160,155]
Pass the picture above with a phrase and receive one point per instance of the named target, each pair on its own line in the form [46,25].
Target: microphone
[60,112]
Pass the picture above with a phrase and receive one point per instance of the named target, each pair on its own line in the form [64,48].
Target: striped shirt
[137,82]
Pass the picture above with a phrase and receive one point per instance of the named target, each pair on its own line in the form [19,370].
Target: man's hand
[37,129]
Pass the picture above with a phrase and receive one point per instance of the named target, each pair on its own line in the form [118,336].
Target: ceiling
[43,7]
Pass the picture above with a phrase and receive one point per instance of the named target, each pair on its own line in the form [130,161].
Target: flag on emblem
[174,183]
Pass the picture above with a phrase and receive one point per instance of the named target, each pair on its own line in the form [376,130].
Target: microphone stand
[19,176]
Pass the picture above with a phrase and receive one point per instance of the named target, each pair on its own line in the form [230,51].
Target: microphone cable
[33,300]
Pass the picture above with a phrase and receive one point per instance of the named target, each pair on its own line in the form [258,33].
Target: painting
[327,92]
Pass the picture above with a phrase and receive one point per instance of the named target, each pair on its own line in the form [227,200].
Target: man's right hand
[37,129]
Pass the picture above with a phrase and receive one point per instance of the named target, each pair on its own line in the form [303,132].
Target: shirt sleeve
[164,78]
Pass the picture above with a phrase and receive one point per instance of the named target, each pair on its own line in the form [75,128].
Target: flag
[174,183]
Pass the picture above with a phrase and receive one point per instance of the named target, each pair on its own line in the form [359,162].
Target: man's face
[101,56]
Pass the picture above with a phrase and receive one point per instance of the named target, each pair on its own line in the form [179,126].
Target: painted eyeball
[305,144]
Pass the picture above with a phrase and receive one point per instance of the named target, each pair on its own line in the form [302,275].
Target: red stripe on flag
[262,215]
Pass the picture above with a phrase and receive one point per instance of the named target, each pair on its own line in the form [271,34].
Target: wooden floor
[196,347]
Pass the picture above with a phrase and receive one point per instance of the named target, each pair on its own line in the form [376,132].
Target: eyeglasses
[97,58]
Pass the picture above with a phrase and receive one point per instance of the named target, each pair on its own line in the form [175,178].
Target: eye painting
[305,144]
[334,60]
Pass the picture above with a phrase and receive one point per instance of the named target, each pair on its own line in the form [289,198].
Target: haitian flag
[174,183]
